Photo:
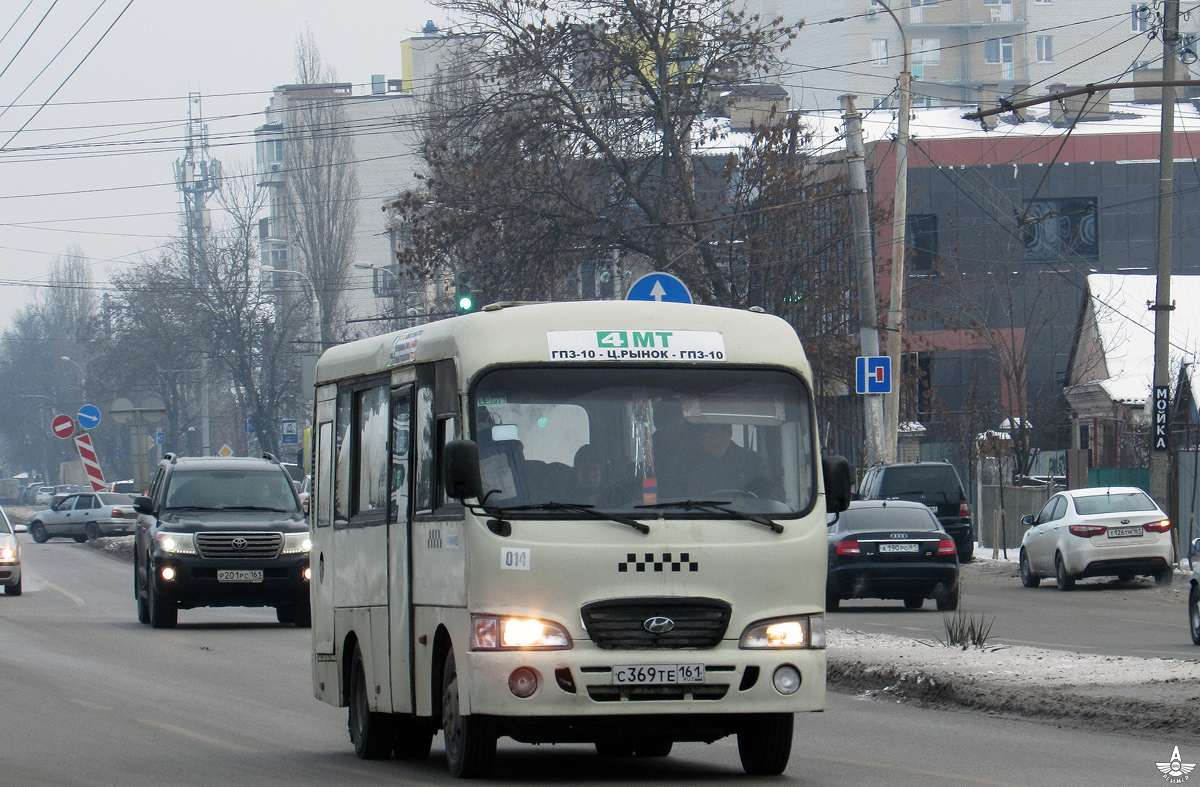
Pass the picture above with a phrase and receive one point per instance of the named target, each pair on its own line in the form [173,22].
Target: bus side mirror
[460,469]
[838,483]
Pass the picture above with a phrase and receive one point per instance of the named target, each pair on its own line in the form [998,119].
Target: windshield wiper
[717,505]
[257,508]
[580,508]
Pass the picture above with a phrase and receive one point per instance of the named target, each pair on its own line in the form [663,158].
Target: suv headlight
[503,632]
[176,543]
[797,631]
[295,543]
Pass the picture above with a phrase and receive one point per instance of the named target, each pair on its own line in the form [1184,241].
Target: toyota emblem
[240,543]
[658,625]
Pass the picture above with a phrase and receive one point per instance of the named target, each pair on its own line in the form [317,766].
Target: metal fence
[1018,501]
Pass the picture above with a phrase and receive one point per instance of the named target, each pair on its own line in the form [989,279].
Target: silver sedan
[85,515]
[10,555]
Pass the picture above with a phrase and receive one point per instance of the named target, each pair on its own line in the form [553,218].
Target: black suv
[217,532]
[936,484]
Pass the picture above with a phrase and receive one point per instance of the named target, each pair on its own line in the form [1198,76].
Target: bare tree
[322,186]
[584,135]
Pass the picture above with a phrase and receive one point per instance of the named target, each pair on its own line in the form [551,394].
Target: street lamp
[82,376]
[267,270]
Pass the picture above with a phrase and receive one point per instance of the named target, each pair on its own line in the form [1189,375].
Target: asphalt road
[90,697]
[1100,615]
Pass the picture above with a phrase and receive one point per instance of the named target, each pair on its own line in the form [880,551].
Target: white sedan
[1108,531]
[85,515]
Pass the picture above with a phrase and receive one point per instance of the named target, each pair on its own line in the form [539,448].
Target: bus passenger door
[399,550]
[321,517]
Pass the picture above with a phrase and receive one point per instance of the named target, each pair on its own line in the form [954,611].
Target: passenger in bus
[720,466]
[589,475]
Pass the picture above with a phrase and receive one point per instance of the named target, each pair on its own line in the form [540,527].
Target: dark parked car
[891,549]
[217,532]
[937,485]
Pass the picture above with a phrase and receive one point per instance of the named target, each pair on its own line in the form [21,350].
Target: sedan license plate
[899,547]
[657,674]
[239,575]
[1124,532]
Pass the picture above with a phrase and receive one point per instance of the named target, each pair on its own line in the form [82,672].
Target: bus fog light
[523,682]
[786,679]
[168,573]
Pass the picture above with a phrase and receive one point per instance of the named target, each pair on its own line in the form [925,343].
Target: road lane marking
[78,601]
[883,766]
[91,705]
[198,736]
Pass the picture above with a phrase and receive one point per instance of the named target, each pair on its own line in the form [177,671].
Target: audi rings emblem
[240,543]
[658,625]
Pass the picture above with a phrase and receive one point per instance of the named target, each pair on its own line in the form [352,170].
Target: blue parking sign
[873,374]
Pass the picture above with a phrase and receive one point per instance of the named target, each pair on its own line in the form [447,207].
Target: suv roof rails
[270,457]
[170,456]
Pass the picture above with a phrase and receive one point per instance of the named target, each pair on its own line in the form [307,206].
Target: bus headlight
[797,631]
[176,543]
[503,632]
[295,543]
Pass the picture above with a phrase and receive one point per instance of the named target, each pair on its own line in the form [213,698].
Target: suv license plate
[239,575]
[1124,532]
[657,674]
[899,547]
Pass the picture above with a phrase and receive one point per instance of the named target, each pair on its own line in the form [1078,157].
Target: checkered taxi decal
[666,562]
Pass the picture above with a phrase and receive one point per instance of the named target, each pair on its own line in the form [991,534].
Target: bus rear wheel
[371,733]
[470,740]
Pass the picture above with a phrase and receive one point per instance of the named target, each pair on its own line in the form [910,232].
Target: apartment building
[965,51]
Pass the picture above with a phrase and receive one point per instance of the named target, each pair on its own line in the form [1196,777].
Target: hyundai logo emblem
[658,625]
[240,543]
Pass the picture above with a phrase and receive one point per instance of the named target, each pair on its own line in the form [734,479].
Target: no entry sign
[63,426]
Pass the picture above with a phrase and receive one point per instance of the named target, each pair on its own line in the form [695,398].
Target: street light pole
[895,319]
[82,377]
[318,322]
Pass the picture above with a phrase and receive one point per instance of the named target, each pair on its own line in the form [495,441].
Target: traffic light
[464,300]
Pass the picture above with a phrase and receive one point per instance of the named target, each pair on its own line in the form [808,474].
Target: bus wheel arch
[441,646]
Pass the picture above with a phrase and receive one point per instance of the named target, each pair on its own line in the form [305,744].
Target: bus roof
[575,331]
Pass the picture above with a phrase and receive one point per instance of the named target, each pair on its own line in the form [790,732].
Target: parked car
[44,496]
[85,515]
[10,555]
[127,487]
[217,532]
[1107,531]
[891,549]
[63,490]
[937,485]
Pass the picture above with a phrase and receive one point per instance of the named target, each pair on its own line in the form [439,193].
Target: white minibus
[590,522]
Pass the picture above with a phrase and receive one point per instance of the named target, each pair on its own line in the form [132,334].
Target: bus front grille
[656,623]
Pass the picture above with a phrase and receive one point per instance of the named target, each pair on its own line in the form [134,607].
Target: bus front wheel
[470,741]
[371,733]
[765,743]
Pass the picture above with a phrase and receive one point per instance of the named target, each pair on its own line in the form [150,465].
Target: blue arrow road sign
[874,375]
[659,287]
[89,416]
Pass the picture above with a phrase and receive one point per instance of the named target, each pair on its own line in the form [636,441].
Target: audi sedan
[1115,531]
[892,549]
[83,516]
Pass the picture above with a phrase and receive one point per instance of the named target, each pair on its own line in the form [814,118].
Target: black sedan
[891,549]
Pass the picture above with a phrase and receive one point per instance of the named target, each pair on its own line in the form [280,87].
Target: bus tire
[470,741]
[371,733]
[765,743]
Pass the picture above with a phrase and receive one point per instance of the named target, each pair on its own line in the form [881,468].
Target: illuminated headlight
[799,631]
[176,543]
[8,554]
[501,632]
[294,543]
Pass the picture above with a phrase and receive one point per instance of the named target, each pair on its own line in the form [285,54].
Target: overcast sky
[116,126]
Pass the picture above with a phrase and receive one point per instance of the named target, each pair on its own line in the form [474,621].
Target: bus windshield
[623,438]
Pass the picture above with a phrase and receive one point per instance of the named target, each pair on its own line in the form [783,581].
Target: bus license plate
[657,674]
[239,575]
[1124,532]
[899,547]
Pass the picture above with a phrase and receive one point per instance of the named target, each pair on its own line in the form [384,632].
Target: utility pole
[1162,306]
[895,320]
[198,176]
[868,314]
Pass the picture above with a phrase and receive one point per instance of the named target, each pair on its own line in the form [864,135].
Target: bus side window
[447,430]
[424,434]
[321,504]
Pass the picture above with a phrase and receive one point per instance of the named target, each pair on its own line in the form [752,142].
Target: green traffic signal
[464,301]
